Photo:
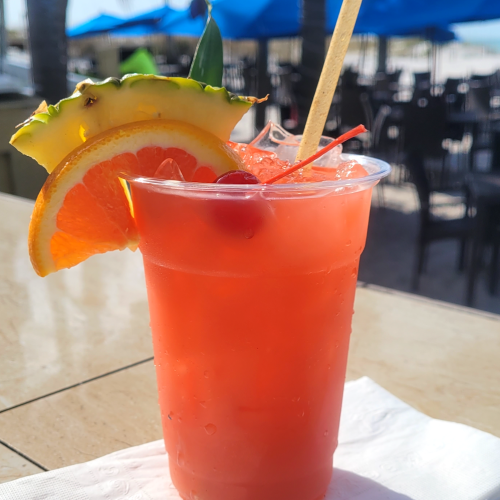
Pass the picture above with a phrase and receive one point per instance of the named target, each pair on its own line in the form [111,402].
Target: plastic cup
[251,291]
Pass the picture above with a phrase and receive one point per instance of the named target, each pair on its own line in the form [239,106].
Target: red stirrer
[344,137]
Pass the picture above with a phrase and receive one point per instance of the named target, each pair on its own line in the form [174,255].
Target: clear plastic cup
[251,291]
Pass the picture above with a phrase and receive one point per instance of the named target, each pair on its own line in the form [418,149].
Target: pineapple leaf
[208,63]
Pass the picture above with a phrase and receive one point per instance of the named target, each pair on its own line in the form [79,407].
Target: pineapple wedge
[53,132]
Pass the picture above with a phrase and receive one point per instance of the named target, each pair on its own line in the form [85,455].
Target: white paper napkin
[387,451]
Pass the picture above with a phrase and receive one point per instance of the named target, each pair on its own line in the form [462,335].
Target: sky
[80,11]
[481,33]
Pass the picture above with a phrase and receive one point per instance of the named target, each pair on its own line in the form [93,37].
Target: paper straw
[328,80]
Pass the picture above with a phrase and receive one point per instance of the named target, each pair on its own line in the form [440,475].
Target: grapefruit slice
[84,208]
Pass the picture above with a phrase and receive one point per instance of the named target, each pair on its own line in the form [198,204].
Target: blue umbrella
[181,23]
[435,34]
[260,19]
[440,34]
[485,10]
[279,18]
[101,24]
[146,23]
[403,17]
[137,30]
[239,20]
[152,17]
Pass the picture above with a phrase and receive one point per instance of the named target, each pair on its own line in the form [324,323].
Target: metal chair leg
[475,253]
[474,266]
[420,264]
[462,256]
[493,278]
[380,195]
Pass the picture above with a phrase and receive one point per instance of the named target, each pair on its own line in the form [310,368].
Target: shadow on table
[346,485]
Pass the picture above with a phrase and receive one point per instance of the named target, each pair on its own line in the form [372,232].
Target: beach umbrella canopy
[100,24]
[405,17]
[238,19]
[132,31]
[151,17]
[435,34]
[261,19]
[485,10]
[146,23]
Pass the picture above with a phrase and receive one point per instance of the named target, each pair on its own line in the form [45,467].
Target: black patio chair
[384,146]
[495,152]
[394,76]
[424,129]
[386,134]
[385,87]
[478,105]
[349,78]
[355,108]
[476,81]
[422,80]
[285,96]
[495,254]
[484,197]
[422,85]
[478,101]
[432,229]
[249,74]
[387,141]
[454,95]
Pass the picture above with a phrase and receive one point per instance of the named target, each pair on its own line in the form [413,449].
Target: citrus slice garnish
[84,209]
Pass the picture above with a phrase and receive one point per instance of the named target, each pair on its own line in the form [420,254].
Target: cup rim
[379,169]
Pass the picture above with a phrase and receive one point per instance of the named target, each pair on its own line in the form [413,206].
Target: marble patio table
[76,369]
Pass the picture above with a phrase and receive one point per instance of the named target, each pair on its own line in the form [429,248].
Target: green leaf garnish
[208,61]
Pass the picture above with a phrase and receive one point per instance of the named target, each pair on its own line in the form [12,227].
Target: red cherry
[237,177]
[242,214]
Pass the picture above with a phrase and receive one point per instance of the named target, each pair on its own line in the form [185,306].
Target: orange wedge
[84,209]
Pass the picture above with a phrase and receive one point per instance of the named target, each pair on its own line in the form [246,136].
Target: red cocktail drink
[251,327]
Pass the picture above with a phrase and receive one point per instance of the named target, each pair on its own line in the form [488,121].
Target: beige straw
[328,80]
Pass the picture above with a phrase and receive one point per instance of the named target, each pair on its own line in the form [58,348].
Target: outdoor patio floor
[388,258]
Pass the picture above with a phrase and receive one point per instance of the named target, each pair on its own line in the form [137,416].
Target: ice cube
[272,136]
[169,170]
[275,138]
